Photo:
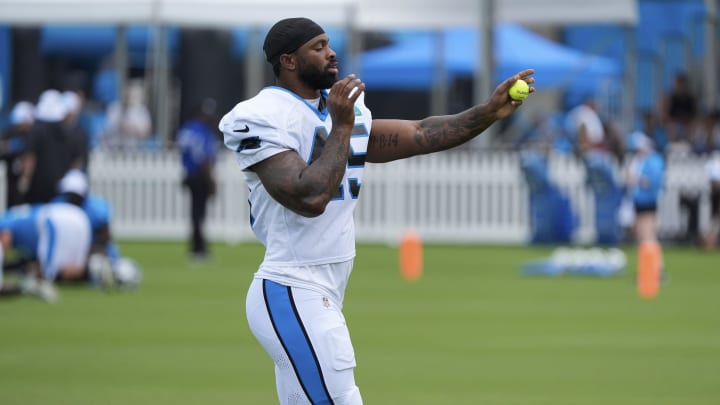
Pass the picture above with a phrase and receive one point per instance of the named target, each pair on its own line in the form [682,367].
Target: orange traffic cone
[411,257]
[648,272]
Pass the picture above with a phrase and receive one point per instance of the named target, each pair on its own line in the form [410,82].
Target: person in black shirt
[51,151]
[680,109]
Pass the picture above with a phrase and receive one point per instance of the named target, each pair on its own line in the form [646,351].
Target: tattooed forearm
[383,141]
[444,132]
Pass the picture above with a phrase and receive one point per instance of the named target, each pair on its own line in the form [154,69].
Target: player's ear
[288,61]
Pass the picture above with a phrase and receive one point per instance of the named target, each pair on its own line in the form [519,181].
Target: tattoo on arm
[382,141]
[444,132]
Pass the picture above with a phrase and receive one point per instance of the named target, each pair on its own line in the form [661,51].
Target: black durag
[287,35]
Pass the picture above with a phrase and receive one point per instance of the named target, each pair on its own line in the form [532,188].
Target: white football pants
[65,236]
[305,334]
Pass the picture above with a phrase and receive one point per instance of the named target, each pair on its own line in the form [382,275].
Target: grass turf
[472,330]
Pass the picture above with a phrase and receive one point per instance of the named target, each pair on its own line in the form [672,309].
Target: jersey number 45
[358,151]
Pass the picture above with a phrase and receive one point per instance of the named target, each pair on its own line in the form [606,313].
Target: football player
[302,151]
[53,240]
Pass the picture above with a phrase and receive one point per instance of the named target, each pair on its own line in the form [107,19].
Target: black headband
[288,35]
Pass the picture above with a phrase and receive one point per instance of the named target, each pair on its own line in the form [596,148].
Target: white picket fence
[453,197]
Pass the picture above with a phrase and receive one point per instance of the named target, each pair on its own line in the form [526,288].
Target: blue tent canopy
[410,63]
[97,41]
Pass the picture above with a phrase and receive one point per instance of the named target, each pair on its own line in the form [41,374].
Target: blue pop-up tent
[411,63]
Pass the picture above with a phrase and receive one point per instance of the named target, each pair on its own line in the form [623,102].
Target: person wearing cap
[585,126]
[52,239]
[302,149]
[51,151]
[645,175]
[74,189]
[644,181]
[13,144]
[129,122]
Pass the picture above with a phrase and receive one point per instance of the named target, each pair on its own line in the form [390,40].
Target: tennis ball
[520,90]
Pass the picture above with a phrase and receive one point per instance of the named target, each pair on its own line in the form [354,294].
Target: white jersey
[277,120]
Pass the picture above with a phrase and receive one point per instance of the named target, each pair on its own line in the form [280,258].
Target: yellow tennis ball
[520,90]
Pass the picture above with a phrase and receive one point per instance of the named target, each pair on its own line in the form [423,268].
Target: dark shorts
[645,208]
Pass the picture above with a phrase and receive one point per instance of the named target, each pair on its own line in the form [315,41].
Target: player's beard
[315,77]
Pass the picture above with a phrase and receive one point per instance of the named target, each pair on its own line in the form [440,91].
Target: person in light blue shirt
[644,179]
[53,240]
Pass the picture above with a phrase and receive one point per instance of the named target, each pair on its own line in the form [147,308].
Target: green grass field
[471,331]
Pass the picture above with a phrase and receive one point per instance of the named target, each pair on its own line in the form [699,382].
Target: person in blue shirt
[198,145]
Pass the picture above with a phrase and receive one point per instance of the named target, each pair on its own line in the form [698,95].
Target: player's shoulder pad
[97,208]
[257,121]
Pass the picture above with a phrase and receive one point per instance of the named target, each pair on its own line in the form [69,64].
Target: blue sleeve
[98,211]
[654,173]
[112,252]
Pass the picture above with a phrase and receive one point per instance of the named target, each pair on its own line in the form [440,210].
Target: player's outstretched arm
[397,139]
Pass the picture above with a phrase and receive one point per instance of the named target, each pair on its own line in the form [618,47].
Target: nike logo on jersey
[252,142]
[246,129]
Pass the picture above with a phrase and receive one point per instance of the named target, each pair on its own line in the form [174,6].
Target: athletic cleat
[42,289]
[101,271]
[47,291]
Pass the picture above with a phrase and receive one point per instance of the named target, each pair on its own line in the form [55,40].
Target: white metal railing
[461,197]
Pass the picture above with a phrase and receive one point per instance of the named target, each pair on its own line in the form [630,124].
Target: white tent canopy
[364,14]
[34,12]
[199,13]
[383,14]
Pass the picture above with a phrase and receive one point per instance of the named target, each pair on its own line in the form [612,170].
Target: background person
[73,108]
[51,151]
[586,127]
[645,178]
[302,151]
[53,239]
[713,173]
[129,121]
[197,141]
[13,144]
[105,267]
[679,109]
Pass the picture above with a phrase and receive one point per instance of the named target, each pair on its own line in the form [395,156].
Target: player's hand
[341,100]
[500,101]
